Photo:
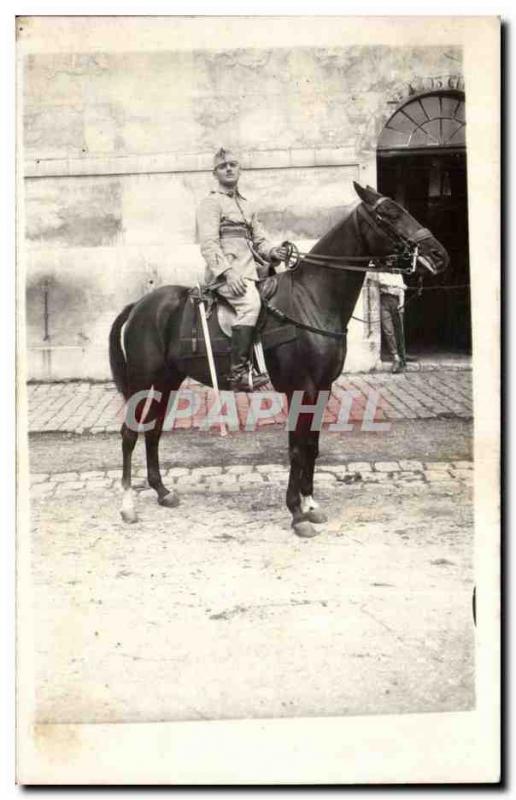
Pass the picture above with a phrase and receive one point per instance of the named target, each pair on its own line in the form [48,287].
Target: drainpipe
[46,333]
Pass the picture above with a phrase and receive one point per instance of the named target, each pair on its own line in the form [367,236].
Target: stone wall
[117,151]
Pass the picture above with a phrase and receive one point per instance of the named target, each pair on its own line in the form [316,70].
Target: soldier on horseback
[237,255]
[145,338]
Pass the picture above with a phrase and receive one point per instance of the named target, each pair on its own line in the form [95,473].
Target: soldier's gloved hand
[278,253]
[235,282]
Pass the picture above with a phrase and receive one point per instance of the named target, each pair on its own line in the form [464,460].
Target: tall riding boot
[241,376]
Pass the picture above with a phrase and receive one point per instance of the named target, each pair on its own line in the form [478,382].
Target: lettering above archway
[432,120]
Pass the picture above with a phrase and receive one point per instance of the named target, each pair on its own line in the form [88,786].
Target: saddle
[221,317]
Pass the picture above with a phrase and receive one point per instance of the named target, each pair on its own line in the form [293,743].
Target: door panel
[432,186]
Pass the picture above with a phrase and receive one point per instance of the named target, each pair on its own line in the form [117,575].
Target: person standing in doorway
[392,297]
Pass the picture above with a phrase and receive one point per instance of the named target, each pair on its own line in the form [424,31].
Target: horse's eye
[391,212]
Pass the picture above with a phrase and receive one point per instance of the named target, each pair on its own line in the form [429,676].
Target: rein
[403,261]
[391,263]
[388,263]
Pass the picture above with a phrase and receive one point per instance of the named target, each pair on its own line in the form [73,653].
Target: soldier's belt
[234,233]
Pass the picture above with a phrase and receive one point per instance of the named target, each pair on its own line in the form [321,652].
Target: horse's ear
[368,195]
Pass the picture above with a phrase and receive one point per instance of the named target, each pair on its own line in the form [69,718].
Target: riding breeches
[247,306]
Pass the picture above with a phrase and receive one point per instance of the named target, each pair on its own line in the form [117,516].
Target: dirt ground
[216,610]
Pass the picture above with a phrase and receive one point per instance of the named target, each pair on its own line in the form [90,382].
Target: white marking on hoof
[311,511]
[308,503]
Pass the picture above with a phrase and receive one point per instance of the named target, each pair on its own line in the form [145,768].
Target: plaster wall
[117,152]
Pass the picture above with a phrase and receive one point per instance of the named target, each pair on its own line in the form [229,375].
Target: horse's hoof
[170,500]
[129,516]
[315,516]
[304,529]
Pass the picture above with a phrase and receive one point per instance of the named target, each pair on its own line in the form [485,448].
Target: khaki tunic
[229,231]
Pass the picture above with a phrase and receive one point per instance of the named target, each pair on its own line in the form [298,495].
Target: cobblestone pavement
[98,408]
[231,479]
[215,609]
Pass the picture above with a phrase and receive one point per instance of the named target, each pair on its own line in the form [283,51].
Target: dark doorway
[431,183]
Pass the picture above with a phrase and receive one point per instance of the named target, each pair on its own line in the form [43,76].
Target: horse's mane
[345,215]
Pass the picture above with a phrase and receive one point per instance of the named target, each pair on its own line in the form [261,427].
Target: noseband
[383,225]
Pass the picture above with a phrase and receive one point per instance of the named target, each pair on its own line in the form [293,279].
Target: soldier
[237,254]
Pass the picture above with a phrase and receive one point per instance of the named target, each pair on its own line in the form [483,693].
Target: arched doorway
[421,163]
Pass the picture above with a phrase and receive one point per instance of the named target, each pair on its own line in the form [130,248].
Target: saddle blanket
[270,331]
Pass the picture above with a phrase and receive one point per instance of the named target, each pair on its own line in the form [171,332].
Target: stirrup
[248,381]
[260,379]
[241,381]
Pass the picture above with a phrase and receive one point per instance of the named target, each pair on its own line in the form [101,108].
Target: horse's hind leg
[129,438]
[139,408]
[166,497]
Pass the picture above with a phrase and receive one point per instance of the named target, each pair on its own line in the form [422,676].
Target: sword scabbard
[211,360]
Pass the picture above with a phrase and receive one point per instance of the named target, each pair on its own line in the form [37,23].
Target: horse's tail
[116,354]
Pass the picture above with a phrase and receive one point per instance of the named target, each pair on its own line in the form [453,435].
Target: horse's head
[395,223]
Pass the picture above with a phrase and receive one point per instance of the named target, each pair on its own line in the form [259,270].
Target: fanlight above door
[428,121]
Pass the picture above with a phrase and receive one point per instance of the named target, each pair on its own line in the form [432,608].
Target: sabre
[211,361]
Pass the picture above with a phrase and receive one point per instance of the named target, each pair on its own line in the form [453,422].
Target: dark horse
[322,295]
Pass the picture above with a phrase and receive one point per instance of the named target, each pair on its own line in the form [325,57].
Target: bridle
[402,261]
[385,226]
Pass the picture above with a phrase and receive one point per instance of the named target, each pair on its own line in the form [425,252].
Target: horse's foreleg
[297,452]
[309,507]
[294,479]
[129,438]
[167,498]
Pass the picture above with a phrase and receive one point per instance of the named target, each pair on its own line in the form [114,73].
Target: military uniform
[233,241]
[231,236]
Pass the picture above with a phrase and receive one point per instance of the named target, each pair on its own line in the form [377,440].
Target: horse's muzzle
[434,260]
[427,264]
